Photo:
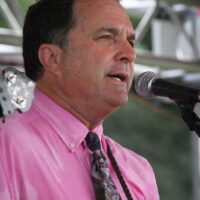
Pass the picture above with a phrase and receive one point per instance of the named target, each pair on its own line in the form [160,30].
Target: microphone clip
[189,116]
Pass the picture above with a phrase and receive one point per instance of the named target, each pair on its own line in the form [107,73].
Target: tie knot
[92,141]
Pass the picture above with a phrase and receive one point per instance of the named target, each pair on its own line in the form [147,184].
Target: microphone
[148,84]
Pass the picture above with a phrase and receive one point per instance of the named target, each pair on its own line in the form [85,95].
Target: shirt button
[72,146]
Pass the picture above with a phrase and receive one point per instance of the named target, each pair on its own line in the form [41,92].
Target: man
[81,55]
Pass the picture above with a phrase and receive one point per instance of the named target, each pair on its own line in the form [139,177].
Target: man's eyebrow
[113,31]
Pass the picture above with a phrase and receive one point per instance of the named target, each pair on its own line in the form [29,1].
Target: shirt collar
[69,128]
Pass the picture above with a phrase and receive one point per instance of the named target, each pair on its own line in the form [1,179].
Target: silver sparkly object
[16,91]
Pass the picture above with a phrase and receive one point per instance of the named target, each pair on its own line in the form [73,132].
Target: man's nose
[126,52]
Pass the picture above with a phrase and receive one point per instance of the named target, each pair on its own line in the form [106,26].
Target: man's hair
[47,21]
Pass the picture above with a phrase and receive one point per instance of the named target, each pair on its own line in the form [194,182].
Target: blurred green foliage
[156,131]
[146,42]
[3,23]
[25,3]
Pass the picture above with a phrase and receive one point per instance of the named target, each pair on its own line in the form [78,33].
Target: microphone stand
[189,116]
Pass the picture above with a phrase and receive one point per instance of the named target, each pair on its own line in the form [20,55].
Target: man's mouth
[119,77]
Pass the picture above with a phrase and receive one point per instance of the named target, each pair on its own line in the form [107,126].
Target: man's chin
[120,102]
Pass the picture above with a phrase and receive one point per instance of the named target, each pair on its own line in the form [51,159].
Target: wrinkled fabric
[43,156]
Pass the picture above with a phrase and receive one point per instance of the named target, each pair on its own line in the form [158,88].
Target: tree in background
[157,132]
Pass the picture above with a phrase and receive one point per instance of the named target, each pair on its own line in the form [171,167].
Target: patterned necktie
[104,186]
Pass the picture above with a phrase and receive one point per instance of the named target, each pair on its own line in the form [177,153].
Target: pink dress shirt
[43,157]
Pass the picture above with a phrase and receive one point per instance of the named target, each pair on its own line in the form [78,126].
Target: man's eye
[106,36]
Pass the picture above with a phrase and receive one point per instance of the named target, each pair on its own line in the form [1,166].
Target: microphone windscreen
[143,84]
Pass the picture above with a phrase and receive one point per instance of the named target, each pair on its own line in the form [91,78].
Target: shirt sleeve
[4,189]
[143,178]
[136,171]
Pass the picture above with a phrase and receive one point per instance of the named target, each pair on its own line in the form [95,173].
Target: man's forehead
[89,9]
[86,5]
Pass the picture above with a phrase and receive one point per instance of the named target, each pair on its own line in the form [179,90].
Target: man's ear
[49,56]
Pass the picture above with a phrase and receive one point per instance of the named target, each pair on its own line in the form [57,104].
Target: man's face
[97,64]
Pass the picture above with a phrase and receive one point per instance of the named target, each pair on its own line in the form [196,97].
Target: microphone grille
[143,83]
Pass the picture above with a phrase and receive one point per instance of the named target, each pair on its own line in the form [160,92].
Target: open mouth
[119,77]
